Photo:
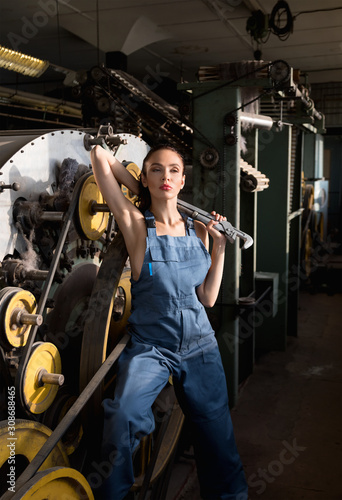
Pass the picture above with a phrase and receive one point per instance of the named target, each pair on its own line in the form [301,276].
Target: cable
[98,32]
[316,10]
[281,6]
[59,35]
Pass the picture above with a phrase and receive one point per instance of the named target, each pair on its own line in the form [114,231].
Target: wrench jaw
[248,241]
[232,233]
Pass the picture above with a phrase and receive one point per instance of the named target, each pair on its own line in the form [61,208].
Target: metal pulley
[42,377]
[17,316]
[89,222]
[56,483]
[30,436]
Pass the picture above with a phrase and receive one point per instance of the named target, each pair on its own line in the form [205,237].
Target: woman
[173,279]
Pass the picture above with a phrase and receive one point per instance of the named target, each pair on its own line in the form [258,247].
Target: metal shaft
[52,216]
[21,317]
[26,318]
[44,377]
[98,207]
[36,274]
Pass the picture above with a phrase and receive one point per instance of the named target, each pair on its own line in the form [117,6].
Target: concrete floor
[288,417]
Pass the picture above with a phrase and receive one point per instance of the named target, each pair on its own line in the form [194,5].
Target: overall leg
[142,374]
[202,393]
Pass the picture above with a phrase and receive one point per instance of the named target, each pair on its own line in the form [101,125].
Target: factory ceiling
[171,39]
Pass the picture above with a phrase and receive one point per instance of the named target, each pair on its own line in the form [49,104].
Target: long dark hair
[144,196]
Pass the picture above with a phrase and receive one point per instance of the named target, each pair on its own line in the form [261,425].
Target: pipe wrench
[224,227]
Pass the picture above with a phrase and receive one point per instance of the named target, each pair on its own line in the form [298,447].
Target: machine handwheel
[55,484]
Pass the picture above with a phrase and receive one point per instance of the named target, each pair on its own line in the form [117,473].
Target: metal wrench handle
[224,227]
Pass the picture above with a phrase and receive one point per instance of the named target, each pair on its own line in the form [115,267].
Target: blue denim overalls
[171,334]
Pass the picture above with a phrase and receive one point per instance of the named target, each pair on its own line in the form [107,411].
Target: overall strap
[190,227]
[150,224]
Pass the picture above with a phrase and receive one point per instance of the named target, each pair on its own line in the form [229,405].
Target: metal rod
[25,318]
[44,377]
[36,274]
[52,216]
[98,207]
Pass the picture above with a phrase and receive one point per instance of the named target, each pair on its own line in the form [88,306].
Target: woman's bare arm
[109,174]
[208,291]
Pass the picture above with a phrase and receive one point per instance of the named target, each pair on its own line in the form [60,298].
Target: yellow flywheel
[91,225]
[55,484]
[135,171]
[42,377]
[17,315]
[25,441]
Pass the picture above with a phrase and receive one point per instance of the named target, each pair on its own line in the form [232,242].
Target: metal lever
[224,227]
[15,186]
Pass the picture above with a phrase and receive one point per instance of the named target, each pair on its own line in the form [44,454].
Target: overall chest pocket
[170,254]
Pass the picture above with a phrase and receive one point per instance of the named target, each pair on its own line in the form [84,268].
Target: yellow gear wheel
[27,438]
[135,171]
[90,225]
[37,395]
[55,484]
[15,303]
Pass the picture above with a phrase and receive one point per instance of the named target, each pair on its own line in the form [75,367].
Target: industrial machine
[64,273]
[64,301]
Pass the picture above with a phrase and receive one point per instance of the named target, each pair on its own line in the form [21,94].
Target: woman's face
[164,174]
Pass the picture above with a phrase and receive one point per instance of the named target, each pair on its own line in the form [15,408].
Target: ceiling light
[21,63]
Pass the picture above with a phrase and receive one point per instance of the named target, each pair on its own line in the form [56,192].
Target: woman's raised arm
[109,174]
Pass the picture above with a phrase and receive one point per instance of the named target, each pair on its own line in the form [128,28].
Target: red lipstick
[165,187]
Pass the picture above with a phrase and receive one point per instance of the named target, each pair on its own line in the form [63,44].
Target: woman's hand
[218,237]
